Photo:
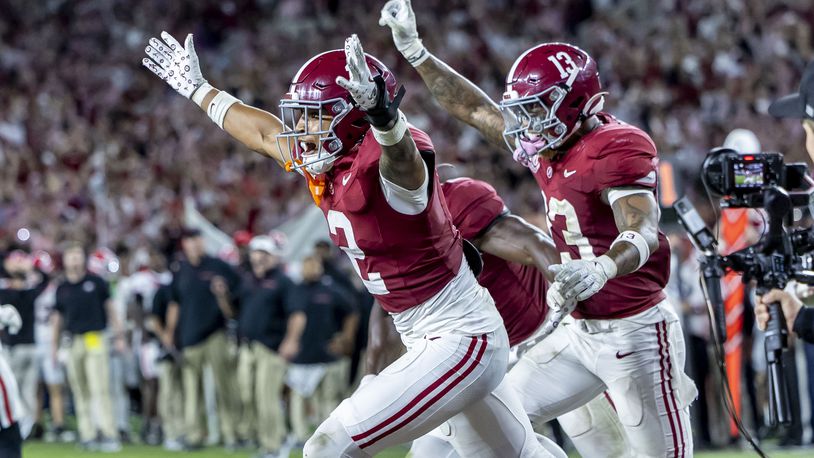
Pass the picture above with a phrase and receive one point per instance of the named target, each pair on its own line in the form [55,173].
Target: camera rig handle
[776,344]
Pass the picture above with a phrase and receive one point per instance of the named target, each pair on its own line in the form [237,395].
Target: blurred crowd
[94,149]
[185,353]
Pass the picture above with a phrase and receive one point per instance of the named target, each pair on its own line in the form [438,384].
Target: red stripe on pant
[671,391]
[662,357]
[440,381]
[6,404]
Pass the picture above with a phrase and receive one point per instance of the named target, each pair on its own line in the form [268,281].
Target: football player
[374,178]
[598,179]
[519,289]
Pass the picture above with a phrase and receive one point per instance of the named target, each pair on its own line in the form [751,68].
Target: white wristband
[200,93]
[219,106]
[416,53]
[393,135]
[638,241]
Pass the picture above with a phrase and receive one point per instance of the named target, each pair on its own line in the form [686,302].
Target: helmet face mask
[312,115]
[320,119]
[532,121]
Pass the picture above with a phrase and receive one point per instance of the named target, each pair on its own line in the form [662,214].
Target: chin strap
[316,184]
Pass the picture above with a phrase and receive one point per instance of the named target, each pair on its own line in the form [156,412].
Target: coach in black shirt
[83,304]
[328,339]
[271,323]
[201,322]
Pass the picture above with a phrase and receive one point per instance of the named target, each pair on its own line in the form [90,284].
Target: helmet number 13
[564,63]
[374,282]
[572,234]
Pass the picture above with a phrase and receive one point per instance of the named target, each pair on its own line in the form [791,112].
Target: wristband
[200,93]
[416,53]
[638,241]
[393,135]
[219,106]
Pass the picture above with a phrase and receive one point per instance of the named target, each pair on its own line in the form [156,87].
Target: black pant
[11,442]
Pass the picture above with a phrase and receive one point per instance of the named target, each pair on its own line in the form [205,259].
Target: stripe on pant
[426,392]
[664,375]
[671,391]
[6,404]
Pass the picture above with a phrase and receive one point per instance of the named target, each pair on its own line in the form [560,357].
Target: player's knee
[331,440]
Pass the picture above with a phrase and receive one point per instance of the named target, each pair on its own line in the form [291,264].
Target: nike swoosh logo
[568,173]
[345,179]
[622,355]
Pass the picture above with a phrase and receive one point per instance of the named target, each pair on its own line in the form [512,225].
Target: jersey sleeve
[627,160]
[422,140]
[473,204]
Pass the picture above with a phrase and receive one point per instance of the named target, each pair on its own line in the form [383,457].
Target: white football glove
[177,65]
[399,16]
[580,279]
[361,85]
[10,319]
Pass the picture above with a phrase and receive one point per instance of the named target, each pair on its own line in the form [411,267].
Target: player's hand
[557,301]
[369,93]
[580,279]
[289,349]
[790,304]
[399,16]
[175,64]
[10,319]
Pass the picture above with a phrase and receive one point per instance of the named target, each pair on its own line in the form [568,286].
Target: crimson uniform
[582,225]
[626,338]
[519,292]
[457,348]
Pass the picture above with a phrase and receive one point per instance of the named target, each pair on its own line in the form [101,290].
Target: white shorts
[457,354]
[639,360]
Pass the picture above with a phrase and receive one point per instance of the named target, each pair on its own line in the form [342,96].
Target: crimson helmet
[550,90]
[314,95]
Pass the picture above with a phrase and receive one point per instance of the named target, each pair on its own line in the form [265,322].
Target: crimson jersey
[519,291]
[615,154]
[403,260]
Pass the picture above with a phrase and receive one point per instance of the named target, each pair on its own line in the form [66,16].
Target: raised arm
[515,240]
[401,162]
[179,67]
[459,96]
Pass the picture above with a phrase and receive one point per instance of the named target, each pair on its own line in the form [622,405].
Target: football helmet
[314,96]
[550,90]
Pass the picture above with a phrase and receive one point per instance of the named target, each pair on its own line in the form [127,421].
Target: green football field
[42,450]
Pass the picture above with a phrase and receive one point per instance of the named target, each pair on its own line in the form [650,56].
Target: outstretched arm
[515,240]
[179,67]
[401,162]
[459,96]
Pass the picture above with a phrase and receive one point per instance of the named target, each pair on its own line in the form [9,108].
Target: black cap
[799,105]
[189,232]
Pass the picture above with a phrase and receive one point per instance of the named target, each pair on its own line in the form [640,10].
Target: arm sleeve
[104,289]
[406,201]
[59,306]
[627,160]
[294,298]
[474,206]
[804,324]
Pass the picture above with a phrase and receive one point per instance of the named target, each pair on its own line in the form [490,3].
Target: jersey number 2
[572,233]
[374,282]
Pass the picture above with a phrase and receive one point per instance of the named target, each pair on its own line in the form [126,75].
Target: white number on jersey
[374,282]
[572,233]
[564,63]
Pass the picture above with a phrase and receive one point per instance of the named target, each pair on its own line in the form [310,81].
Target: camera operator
[800,105]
